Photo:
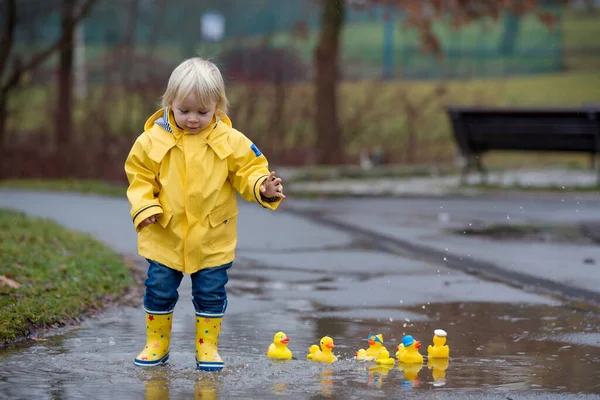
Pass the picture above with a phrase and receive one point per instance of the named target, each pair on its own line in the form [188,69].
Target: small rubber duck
[384,358]
[322,353]
[408,352]
[400,350]
[361,354]
[439,348]
[278,349]
[375,346]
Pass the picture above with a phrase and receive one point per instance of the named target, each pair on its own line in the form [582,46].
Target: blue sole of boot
[209,366]
[144,363]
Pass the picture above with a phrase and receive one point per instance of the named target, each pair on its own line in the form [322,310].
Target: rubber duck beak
[397,348]
[330,345]
[418,344]
[371,342]
[285,341]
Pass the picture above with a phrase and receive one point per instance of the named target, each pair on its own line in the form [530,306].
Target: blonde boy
[183,172]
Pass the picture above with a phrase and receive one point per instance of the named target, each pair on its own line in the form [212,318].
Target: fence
[374,42]
[126,50]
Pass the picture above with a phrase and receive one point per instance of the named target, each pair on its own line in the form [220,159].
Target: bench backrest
[477,130]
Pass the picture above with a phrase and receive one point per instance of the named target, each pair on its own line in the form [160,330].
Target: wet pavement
[311,280]
[433,226]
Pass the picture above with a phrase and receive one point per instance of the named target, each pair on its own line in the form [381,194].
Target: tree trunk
[6,44]
[329,136]
[3,116]
[276,127]
[129,42]
[63,126]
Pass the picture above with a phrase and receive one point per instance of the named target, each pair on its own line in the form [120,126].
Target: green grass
[62,275]
[79,186]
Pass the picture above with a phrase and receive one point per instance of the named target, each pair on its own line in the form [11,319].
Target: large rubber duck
[278,349]
[408,352]
[375,346]
[322,353]
[439,348]
[439,367]
[384,358]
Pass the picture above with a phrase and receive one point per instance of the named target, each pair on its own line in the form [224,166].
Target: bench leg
[466,169]
[483,174]
[473,161]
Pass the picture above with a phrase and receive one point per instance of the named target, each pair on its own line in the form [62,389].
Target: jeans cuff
[158,312]
[209,315]
[212,312]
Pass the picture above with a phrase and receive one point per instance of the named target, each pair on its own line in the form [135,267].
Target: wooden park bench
[478,130]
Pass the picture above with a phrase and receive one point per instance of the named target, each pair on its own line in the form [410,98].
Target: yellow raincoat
[189,180]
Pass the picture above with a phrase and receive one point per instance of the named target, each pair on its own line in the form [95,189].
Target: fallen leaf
[4,281]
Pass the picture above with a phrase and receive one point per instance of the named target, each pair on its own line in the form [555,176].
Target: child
[182,173]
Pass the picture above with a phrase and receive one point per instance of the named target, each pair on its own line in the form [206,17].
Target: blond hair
[199,77]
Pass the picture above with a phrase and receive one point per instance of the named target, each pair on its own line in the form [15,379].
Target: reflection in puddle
[327,382]
[438,367]
[377,374]
[411,374]
[494,347]
[205,389]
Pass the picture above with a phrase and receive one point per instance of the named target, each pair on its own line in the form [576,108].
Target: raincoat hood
[164,120]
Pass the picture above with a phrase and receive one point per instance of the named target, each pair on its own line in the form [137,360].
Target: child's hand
[272,187]
[148,221]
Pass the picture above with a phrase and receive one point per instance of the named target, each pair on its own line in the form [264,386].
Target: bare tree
[329,135]
[14,66]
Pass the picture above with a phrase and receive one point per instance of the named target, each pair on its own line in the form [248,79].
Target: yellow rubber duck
[323,353]
[361,354]
[278,349]
[400,350]
[375,346]
[439,367]
[439,348]
[408,352]
[384,358]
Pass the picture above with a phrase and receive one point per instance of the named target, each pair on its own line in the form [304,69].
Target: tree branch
[8,34]
[13,79]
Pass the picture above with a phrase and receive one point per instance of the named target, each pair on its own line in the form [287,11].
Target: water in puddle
[497,351]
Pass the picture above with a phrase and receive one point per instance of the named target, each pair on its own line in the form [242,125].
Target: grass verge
[70,185]
[51,275]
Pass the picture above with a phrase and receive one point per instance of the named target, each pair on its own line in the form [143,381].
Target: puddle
[572,234]
[497,350]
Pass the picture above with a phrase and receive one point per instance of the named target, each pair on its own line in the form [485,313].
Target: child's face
[192,116]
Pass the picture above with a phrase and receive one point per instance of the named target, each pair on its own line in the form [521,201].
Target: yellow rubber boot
[158,337]
[207,342]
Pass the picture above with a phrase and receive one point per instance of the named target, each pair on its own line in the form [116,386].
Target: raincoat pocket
[160,234]
[223,225]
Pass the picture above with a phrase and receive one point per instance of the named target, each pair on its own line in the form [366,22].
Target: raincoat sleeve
[143,187]
[248,168]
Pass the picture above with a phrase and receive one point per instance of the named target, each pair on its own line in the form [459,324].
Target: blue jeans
[208,289]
